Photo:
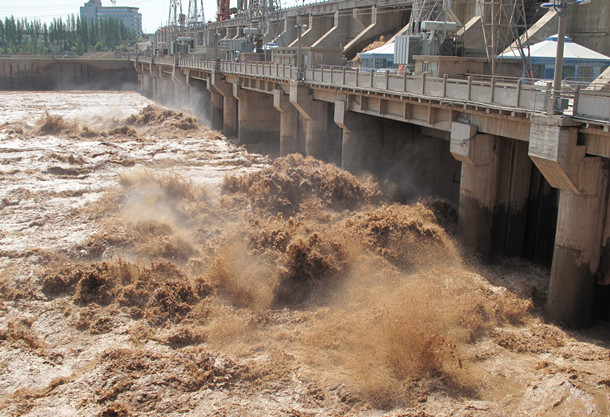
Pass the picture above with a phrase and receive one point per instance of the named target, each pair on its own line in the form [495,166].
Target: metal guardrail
[507,95]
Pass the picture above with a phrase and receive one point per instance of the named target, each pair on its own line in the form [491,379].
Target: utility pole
[561,7]
[300,72]
[561,33]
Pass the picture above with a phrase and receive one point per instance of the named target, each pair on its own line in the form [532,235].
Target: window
[538,71]
[380,63]
[568,72]
[585,73]
[318,57]
[367,62]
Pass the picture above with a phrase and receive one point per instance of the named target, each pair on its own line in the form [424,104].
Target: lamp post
[561,7]
[300,74]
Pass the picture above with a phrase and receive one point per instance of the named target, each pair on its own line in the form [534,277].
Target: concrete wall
[47,74]
[588,25]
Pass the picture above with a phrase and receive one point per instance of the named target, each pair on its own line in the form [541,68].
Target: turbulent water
[151,267]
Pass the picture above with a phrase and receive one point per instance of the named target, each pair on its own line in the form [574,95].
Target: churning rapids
[151,267]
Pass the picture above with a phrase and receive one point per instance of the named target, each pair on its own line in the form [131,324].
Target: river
[149,266]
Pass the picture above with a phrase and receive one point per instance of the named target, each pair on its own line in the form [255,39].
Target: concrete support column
[168,92]
[577,251]
[180,95]
[315,114]
[317,130]
[360,150]
[216,104]
[146,85]
[259,121]
[229,116]
[217,84]
[583,182]
[289,123]
[157,89]
[161,84]
[478,186]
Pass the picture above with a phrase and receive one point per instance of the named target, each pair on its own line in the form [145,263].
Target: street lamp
[561,7]
[300,74]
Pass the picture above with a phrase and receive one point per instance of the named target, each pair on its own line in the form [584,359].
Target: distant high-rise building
[130,16]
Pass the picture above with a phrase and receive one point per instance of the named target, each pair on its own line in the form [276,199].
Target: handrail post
[387,80]
[372,75]
[493,90]
[550,105]
[445,76]
[423,83]
[575,103]
[404,76]
[343,75]
[357,76]
[519,85]
[469,87]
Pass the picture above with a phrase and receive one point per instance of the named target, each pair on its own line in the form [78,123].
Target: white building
[130,16]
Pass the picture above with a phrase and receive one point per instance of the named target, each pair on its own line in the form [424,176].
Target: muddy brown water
[151,267]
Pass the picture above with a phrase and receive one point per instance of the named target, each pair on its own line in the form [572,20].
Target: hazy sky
[154,12]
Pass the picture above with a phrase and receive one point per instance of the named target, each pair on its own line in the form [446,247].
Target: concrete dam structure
[526,182]
[66,74]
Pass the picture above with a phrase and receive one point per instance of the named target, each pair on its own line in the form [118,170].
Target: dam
[526,180]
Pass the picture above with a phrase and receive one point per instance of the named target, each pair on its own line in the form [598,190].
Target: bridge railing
[592,105]
[510,95]
[490,93]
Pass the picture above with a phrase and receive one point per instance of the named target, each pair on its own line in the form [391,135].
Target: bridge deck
[511,96]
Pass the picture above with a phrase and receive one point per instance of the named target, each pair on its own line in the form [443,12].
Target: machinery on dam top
[478,36]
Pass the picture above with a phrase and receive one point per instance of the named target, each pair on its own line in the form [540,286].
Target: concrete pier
[577,250]
[258,120]
[361,140]
[230,123]
[229,104]
[583,184]
[145,82]
[216,111]
[289,123]
[315,113]
[478,186]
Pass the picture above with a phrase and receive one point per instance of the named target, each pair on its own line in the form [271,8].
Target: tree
[72,34]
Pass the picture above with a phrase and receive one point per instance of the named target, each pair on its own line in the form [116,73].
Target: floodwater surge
[151,267]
